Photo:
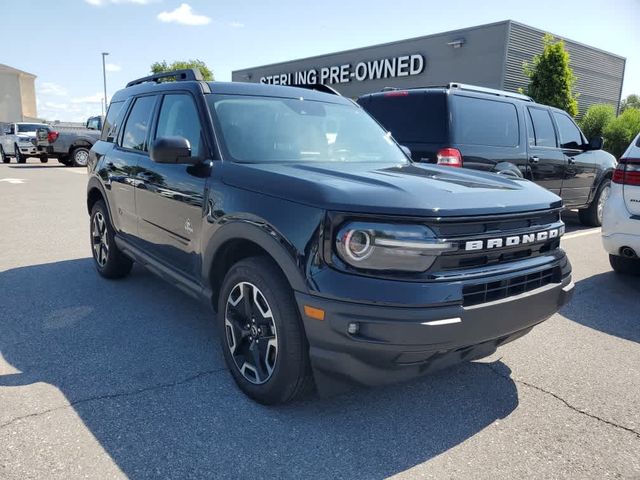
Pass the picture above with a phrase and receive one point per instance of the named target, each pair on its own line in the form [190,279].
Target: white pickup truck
[19,140]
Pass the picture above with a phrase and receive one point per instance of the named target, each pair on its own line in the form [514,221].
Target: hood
[411,189]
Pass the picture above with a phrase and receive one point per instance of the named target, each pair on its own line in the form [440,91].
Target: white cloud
[112,67]
[183,15]
[55,106]
[236,25]
[100,3]
[96,98]
[50,88]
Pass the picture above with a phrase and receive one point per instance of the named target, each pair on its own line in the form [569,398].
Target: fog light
[353,328]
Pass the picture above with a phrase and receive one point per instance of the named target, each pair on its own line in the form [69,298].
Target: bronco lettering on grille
[513,240]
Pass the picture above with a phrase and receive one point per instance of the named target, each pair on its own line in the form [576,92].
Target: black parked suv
[496,131]
[329,256]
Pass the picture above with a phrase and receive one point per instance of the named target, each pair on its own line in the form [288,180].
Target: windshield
[29,127]
[266,129]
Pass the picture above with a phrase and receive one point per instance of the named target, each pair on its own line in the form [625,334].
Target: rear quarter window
[411,117]
[479,121]
[111,121]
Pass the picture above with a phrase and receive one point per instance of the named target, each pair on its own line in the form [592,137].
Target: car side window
[136,128]
[179,118]
[112,121]
[544,133]
[570,136]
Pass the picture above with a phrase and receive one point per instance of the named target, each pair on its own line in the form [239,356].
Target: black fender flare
[508,169]
[282,252]
[95,184]
[600,177]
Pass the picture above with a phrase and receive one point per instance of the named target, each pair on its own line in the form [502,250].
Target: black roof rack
[463,86]
[320,87]
[179,75]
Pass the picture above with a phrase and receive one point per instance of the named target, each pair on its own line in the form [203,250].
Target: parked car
[18,140]
[621,225]
[329,255]
[71,145]
[502,132]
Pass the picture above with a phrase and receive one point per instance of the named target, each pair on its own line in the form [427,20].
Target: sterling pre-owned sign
[401,66]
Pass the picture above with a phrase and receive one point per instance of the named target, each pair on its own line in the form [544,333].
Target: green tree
[550,77]
[620,131]
[632,101]
[596,119]
[163,66]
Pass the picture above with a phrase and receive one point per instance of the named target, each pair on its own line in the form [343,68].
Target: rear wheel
[80,156]
[20,158]
[592,215]
[630,266]
[262,337]
[44,159]
[108,259]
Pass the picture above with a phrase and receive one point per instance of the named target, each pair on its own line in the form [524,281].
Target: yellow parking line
[582,233]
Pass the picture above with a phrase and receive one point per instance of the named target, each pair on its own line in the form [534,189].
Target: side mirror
[406,150]
[596,143]
[171,150]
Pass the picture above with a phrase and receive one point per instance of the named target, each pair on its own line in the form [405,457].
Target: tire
[281,370]
[592,215]
[628,266]
[3,157]
[44,159]
[108,259]
[80,157]
[18,154]
[64,160]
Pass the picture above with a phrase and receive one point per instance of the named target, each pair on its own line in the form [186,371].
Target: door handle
[534,159]
[572,161]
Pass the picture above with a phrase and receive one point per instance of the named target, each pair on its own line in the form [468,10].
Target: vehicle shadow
[602,302]
[141,365]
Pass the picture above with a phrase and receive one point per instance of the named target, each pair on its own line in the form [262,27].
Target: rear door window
[411,117]
[570,136]
[478,121]
[135,132]
[544,133]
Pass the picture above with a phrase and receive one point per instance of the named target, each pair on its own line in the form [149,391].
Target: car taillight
[627,172]
[450,157]
[396,93]
[52,136]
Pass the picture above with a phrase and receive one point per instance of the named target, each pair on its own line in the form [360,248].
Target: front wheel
[592,215]
[80,157]
[20,158]
[44,159]
[629,266]
[108,259]
[3,157]
[261,332]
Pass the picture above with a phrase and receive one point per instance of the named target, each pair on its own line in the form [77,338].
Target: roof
[230,88]
[7,68]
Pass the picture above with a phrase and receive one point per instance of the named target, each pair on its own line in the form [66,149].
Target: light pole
[104,78]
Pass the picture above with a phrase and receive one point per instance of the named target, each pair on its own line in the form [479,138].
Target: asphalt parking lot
[109,379]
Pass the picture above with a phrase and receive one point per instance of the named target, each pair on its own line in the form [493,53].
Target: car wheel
[44,159]
[630,266]
[262,336]
[3,157]
[20,158]
[80,157]
[108,259]
[592,215]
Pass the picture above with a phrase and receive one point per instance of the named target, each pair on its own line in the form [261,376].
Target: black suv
[496,131]
[329,256]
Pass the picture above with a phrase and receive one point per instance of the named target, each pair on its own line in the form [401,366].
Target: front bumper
[396,343]
[28,149]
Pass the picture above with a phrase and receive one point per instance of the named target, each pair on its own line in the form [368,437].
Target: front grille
[490,291]
[476,229]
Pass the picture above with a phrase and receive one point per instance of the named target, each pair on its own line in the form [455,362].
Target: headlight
[387,246]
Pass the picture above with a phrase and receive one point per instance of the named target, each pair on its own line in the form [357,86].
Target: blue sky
[60,41]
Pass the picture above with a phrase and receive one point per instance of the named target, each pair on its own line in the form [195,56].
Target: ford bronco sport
[329,256]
